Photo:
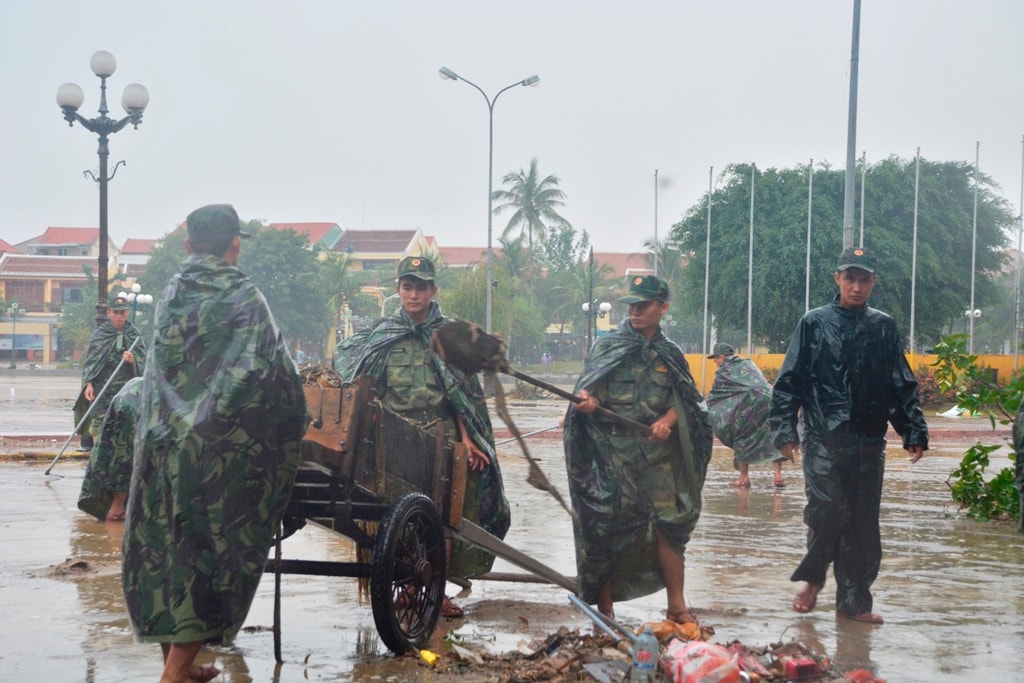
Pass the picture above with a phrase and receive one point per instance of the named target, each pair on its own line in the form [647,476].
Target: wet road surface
[950,589]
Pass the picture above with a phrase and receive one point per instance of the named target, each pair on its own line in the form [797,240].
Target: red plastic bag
[700,662]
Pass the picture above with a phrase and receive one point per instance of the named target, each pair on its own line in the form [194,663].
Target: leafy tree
[779,274]
[533,200]
[279,264]
[288,274]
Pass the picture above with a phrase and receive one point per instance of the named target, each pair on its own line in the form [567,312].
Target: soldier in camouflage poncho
[108,476]
[738,405]
[414,382]
[108,346]
[221,420]
[636,499]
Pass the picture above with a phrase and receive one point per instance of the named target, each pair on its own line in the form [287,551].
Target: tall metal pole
[1020,230]
[863,184]
[590,303]
[851,130]
[807,267]
[134,101]
[707,280]
[974,244]
[657,248]
[448,74]
[750,268]
[913,257]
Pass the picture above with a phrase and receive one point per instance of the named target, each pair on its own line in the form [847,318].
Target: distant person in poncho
[738,405]
[414,382]
[108,476]
[108,346]
[637,499]
[221,418]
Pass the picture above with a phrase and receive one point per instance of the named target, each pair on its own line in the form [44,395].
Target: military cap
[211,222]
[645,288]
[419,267]
[117,302]
[856,257]
[722,349]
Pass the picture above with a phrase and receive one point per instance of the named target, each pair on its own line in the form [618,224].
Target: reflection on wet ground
[950,589]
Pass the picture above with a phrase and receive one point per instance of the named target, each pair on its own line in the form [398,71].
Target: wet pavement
[949,588]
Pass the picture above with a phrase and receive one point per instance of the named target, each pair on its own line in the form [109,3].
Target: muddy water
[950,589]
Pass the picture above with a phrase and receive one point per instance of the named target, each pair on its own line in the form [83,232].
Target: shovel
[471,350]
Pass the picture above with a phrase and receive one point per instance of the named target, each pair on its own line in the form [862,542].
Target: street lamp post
[136,299]
[969,317]
[532,81]
[134,101]
[594,309]
[14,311]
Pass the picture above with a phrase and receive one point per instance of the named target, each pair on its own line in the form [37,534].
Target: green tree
[534,203]
[780,245]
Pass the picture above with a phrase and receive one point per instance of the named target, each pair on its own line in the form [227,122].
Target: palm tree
[533,201]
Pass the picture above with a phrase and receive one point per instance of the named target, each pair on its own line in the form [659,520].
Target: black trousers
[844,491]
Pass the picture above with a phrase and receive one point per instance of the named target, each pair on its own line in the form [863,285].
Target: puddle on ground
[949,588]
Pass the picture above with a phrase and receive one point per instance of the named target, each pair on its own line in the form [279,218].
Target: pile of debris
[572,655]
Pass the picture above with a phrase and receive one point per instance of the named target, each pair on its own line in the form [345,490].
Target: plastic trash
[646,654]
[701,662]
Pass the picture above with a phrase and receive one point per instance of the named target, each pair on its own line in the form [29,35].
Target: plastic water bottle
[646,653]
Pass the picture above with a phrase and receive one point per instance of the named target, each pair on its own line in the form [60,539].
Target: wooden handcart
[395,489]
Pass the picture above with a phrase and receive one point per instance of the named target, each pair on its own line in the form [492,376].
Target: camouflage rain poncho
[106,348]
[221,420]
[623,484]
[110,463]
[443,393]
[738,406]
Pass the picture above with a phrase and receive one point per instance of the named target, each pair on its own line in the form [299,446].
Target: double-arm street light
[532,81]
[14,311]
[594,309]
[134,101]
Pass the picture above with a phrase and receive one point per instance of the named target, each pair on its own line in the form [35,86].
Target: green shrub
[976,391]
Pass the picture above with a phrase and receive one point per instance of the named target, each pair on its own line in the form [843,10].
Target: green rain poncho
[738,405]
[367,353]
[110,463]
[221,419]
[622,484]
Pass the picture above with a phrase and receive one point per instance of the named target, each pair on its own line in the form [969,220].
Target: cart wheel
[407,573]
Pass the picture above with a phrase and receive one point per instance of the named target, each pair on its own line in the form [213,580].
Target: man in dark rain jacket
[221,419]
[109,345]
[637,499]
[846,374]
[1018,447]
[414,382]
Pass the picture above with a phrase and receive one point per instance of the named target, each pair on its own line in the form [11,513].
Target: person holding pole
[636,498]
[110,344]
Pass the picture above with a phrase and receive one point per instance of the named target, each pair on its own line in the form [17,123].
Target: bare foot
[863,617]
[683,616]
[740,483]
[203,674]
[806,598]
[449,610]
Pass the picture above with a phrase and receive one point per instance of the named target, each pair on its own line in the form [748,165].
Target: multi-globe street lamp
[14,310]
[134,101]
[532,81]
[594,309]
[136,299]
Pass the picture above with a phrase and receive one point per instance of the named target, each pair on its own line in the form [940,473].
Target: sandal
[685,616]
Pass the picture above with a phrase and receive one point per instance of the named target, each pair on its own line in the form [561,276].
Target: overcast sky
[333,110]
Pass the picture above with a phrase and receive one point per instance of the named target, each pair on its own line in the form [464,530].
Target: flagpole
[913,258]
[750,267]
[807,268]
[707,279]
